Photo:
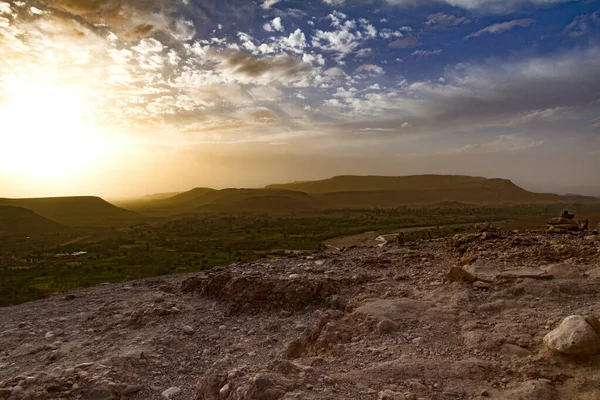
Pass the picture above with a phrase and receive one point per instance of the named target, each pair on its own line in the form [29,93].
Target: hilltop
[75,211]
[394,322]
[18,220]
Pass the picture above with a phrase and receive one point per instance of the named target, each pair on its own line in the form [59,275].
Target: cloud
[482,6]
[583,24]
[370,69]
[405,42]
[367,52]
[296,40]
[561,90]
[248,68]
[269,3]
[274,26]
[342,40]
[445,21]
[334,2]
[502,27]
[425,53]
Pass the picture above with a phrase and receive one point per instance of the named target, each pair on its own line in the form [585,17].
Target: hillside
[226,200]
[75,211]
[396,322]
[21,221]
[260,204]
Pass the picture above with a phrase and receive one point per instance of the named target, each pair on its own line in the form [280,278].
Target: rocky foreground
[479,316]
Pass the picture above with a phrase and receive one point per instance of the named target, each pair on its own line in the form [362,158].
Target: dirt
[363,323]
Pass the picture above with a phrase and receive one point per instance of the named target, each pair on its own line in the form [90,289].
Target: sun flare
[46,133]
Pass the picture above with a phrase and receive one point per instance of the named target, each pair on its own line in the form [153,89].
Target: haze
[122,99]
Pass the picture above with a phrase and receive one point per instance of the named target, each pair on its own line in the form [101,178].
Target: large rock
[564,270]
[458,274]
[573,336]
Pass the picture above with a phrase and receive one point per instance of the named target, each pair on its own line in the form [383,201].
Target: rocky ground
[396,322]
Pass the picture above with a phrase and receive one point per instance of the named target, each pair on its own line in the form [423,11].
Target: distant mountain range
[350,192]
[337,192]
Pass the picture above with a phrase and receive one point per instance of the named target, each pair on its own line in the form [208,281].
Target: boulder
[387,326]
[458,274]
[573,336]
[564,270]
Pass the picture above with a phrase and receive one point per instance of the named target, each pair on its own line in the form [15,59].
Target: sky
[125,98]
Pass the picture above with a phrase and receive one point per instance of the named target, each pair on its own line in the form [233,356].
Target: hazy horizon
[125,99]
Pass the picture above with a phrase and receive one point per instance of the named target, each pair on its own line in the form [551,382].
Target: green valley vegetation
[51,245]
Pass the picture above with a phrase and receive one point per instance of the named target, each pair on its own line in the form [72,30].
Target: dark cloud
[282,68]
[405,43]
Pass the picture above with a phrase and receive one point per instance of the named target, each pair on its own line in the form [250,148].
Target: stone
[100,393]
[563,270]
[224,391]
[273,394]
[594,274]
[131,389]
[389,394]
[188,330]
[387,326]
[458,274]
[56,372]
[592,239]
[171,392]
[594,322]
[515,350]
[573,336]
[481,285]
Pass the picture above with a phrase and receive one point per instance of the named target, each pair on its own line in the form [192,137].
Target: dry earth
[364,323]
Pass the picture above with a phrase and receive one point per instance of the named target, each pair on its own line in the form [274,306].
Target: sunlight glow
[46,133]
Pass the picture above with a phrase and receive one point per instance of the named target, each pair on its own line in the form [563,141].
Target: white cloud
[425,53]
[370,69]
[6,9]
[442,21]
[296,40]
[269,3]
[502,27]
[274,26]
[334,2]
[343,40]
[277,24]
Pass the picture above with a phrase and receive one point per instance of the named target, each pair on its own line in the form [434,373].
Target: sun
[45,131]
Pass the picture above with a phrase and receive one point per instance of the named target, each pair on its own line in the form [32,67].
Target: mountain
[352,183]
[189,195]
[75,211]
[205,200]
[18,220]
[376,191]
[158,196]
[258,200]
